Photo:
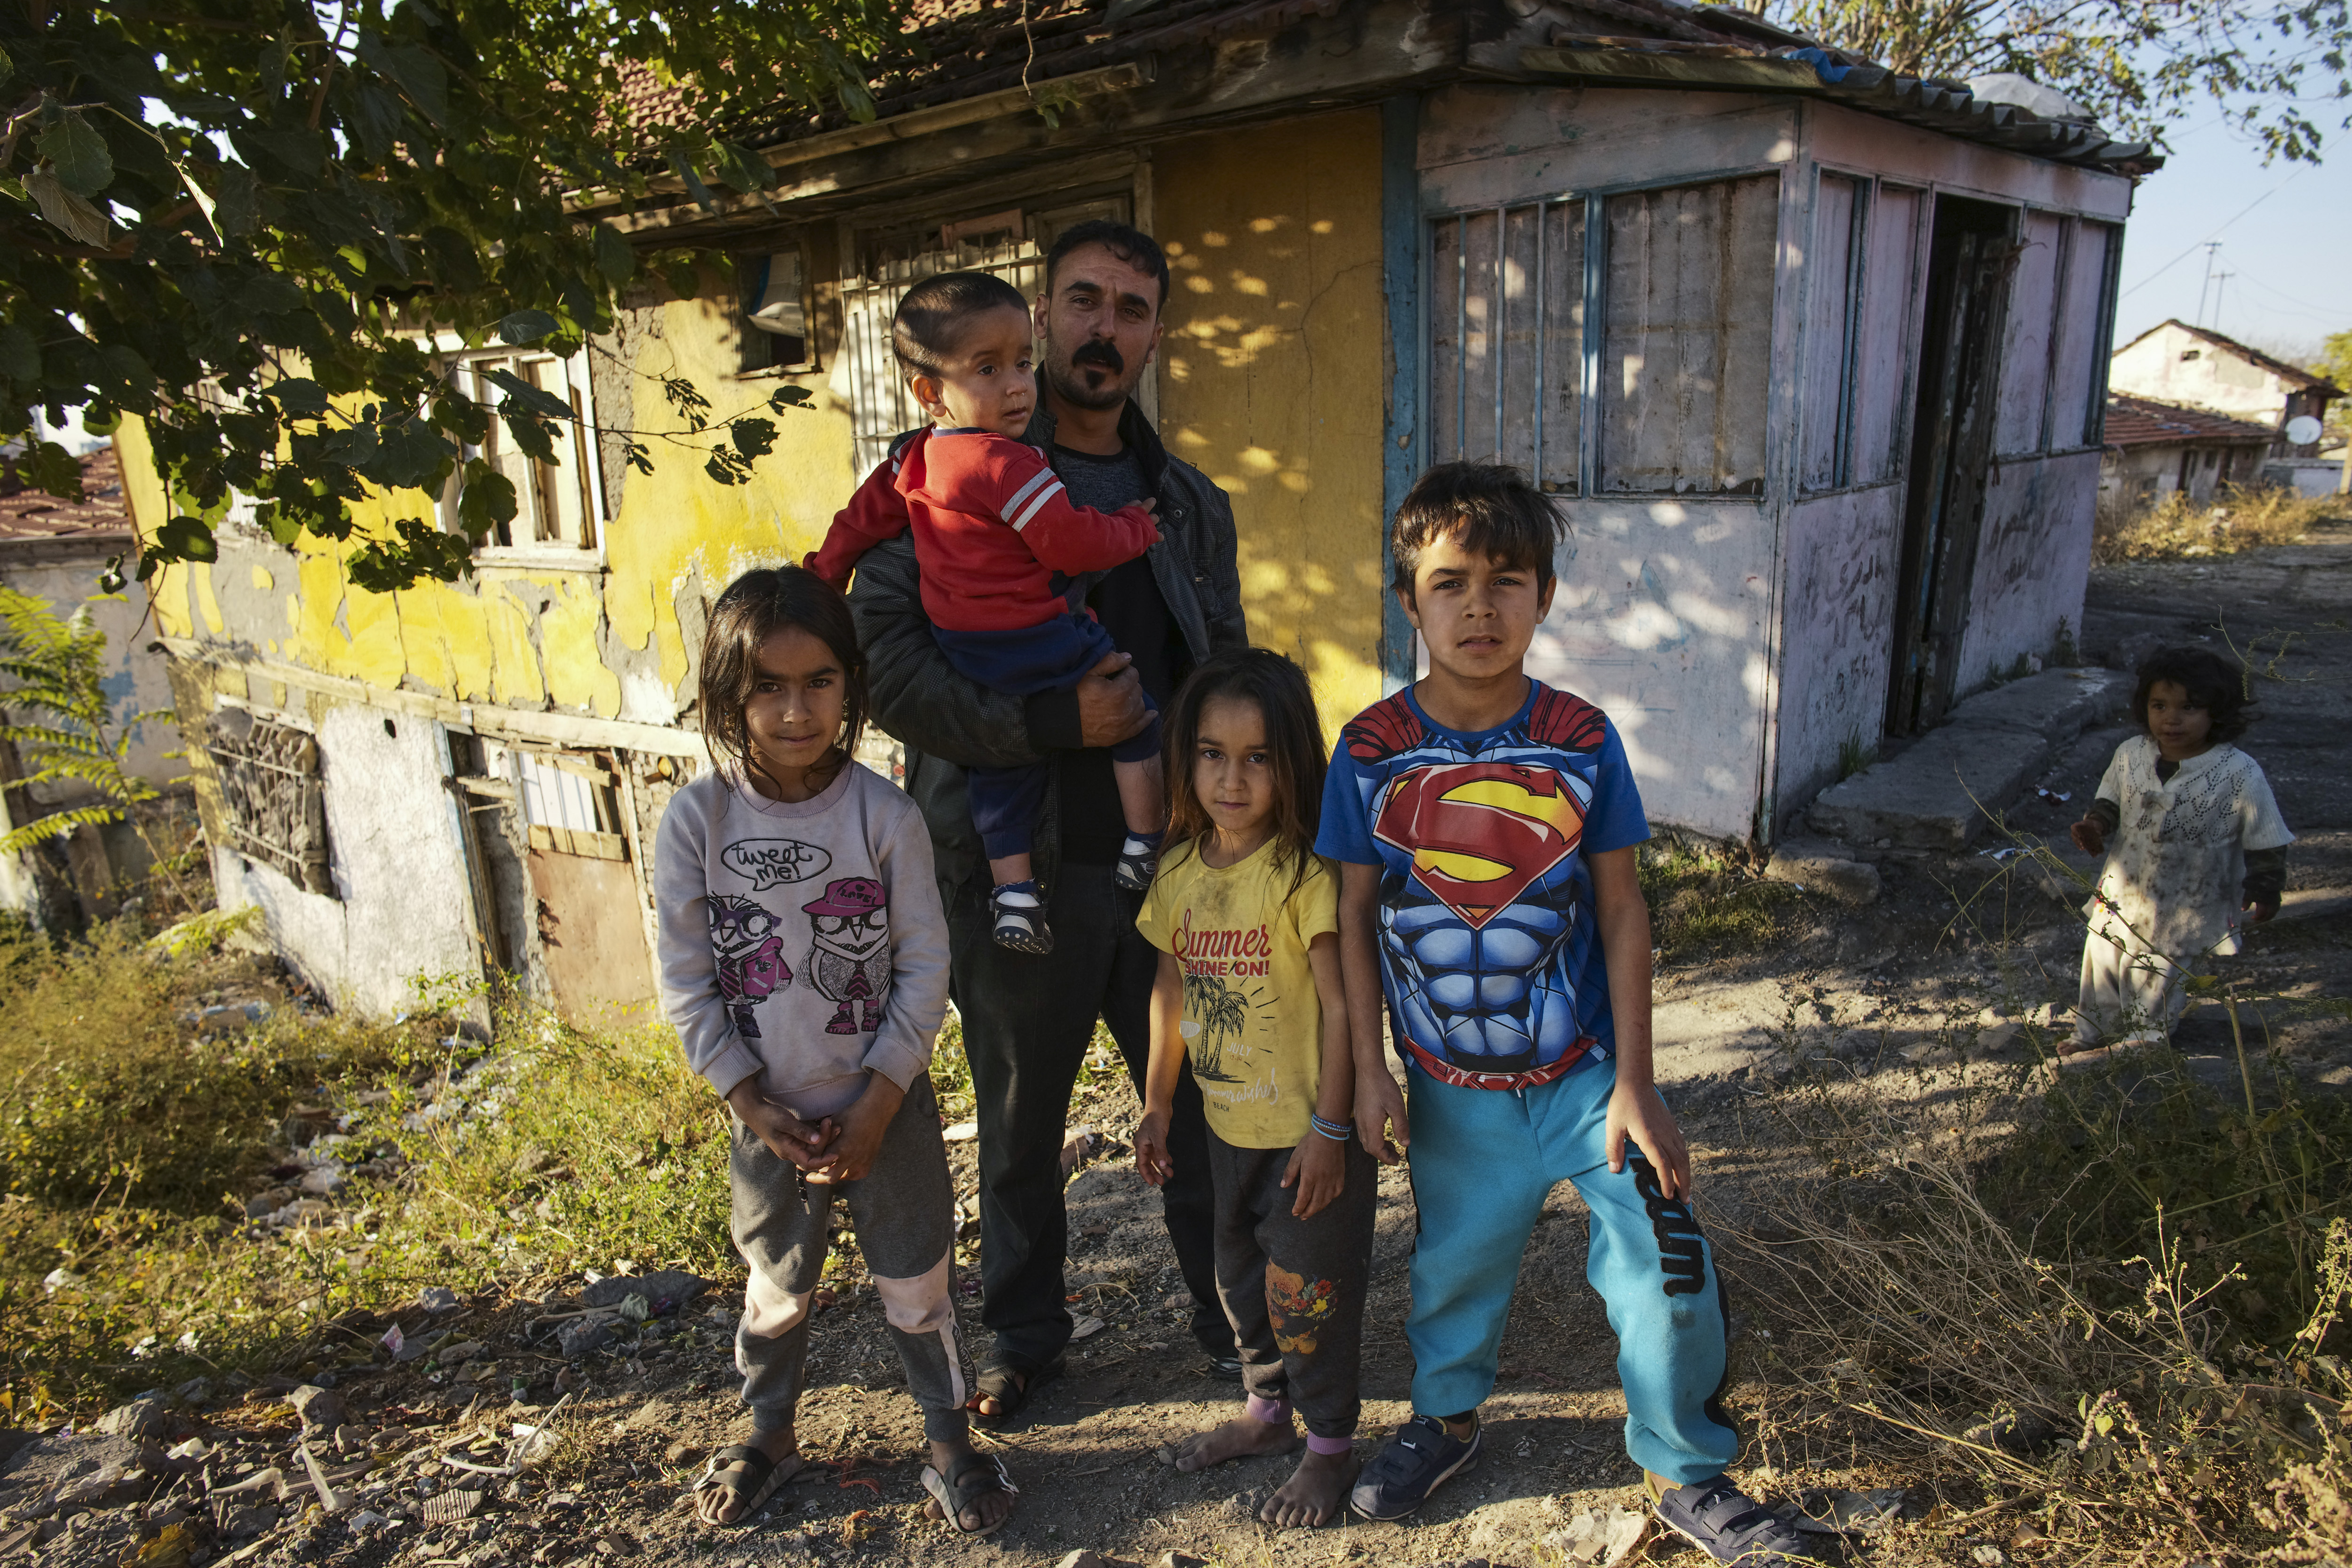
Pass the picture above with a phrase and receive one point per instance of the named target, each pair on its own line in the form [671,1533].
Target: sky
[2285,231]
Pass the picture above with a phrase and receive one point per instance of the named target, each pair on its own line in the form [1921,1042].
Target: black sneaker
[1420,1457]
[1225,1365]
[1729,1525]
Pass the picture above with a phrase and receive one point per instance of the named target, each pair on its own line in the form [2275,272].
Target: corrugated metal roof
[2144,421]
[101,515]
[959,49]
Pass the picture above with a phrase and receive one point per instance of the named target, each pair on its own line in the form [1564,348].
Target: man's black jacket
[948,722]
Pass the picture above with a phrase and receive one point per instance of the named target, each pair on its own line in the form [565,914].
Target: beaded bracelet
[1337,1131]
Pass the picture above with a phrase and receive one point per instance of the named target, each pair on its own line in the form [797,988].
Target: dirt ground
[1876,989]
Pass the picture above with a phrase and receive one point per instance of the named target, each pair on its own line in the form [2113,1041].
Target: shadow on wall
[1272,374]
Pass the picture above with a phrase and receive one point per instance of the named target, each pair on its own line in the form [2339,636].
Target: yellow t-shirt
[1252,1023]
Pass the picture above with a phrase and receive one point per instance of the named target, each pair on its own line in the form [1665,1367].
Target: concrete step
[1937,793]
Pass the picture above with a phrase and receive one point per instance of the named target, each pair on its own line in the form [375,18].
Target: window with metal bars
[1506,338]
[1010,242]
[1667,398]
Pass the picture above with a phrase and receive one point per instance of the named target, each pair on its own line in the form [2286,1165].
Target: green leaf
[301,152]
[54,470]
[240,200]
[354,446]
[20,355]
[683,167]
[527,326]
[78,153]
[68,210]
[299,397]
[412,455]
[531,434]
[414,69]
[753,438]
[186,538]
[537,400]
[373,116]
[487,501]
[614,259]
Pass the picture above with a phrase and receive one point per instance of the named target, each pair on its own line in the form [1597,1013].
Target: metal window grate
[1507,292]
[1012,244]
[273,802]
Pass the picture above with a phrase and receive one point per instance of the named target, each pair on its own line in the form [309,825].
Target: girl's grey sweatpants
[904,1210]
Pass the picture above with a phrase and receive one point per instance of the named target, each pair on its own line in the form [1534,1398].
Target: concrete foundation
[1940,793]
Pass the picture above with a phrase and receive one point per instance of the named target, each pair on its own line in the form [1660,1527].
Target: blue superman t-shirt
[1488,952]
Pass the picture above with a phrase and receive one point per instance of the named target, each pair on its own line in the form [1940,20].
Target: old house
[1811,354]
[2198,368]
[53,551]
[2154,450]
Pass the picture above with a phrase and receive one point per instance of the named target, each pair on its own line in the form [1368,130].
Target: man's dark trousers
[1027,1021]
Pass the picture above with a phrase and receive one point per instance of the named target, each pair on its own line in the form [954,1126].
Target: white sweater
[801,941]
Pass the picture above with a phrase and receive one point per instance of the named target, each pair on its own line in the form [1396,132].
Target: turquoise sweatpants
[1483,1160]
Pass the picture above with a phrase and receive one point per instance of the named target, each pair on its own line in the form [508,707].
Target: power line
[2234,217]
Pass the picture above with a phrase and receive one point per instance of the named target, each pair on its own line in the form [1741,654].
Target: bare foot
[986,1512]
[720,1505]
[1238,1438]
[1311,1496]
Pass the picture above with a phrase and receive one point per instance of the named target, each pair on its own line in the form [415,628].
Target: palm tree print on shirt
[1218,1015]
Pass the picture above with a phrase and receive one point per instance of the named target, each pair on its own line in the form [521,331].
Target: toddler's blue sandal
[1017,918]
[1139,862]
[1729,1525]
[1420,1457]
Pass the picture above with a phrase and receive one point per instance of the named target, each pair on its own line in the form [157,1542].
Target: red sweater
[992,525]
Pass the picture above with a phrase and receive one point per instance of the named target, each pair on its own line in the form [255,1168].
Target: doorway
[1970,258]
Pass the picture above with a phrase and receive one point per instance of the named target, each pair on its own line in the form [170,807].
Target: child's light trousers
[1482,1163]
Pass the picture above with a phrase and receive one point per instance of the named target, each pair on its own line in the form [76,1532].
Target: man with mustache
[1027,1017]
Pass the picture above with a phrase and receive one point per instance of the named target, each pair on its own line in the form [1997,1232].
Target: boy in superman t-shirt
[1484,826]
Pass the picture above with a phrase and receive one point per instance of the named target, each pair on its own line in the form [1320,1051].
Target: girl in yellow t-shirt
[1246,919]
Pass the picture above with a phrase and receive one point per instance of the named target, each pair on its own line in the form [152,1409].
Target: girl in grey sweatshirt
[805,961]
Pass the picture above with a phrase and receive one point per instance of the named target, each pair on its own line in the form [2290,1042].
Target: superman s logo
[1480,833]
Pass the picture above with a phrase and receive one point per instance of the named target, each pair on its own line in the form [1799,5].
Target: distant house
[1812,354]
[2154,450]
[53,551]
[2193,367]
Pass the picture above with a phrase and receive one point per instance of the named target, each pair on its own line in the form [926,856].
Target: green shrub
[108,1090]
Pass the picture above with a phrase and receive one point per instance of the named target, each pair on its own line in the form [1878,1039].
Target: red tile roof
[26,513]
[2144,421]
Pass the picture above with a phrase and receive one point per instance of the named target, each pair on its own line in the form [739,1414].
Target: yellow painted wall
[1271,382]
[1272,369]
[525,635]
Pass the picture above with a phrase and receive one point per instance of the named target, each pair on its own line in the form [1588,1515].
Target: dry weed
[2176,527]
[2114,1401]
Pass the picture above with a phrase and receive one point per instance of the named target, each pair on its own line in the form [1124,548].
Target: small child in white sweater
[2199,841]
[805,961]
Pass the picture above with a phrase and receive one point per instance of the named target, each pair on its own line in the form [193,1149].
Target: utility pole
[2211,245]
[2221,282]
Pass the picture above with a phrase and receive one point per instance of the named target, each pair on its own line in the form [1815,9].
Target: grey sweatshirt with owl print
[801,941]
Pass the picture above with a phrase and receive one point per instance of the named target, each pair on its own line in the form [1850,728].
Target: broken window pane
[2083,322]
[1687,338]
[2025,365]
[1829,329]
[1882,360]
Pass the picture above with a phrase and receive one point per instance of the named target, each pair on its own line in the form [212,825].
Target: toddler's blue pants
[1483,1162]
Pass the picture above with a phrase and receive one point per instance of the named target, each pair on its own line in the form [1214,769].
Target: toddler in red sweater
[999,541]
